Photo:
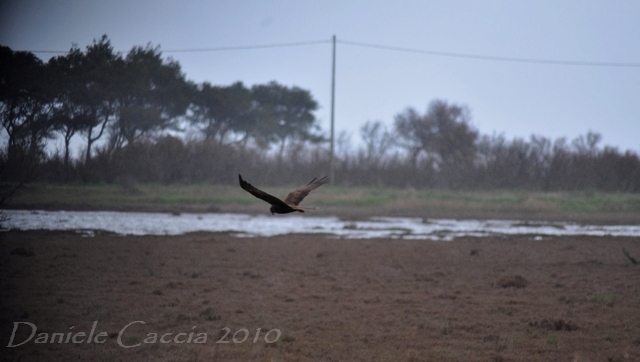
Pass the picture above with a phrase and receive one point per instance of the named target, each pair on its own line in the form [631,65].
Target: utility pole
[332,174]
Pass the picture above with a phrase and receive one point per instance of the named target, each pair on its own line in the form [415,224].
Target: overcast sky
[514,98]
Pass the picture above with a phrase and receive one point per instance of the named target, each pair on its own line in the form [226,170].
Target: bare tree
[377,143]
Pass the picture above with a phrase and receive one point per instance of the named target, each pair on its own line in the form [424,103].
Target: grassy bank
[348,202]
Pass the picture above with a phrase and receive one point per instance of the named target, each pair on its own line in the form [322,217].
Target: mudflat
[213,297]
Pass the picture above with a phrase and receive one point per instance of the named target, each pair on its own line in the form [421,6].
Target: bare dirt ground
[488,299]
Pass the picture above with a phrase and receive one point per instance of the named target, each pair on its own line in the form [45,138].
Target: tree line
[141,120]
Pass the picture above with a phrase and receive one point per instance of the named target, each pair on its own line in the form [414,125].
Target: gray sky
[513,98]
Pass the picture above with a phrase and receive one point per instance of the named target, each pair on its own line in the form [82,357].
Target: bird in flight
[290,203]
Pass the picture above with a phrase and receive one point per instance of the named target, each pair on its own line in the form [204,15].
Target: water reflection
[243,225]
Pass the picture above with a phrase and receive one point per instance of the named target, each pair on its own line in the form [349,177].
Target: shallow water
[244,225]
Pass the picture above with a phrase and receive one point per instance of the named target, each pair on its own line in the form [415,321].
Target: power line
[247,47]
[211,49]
[392,48]
[42,51]
[493,58]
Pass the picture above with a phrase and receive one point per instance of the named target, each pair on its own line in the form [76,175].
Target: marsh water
[245,225]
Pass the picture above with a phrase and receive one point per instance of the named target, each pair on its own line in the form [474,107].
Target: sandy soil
[490,299]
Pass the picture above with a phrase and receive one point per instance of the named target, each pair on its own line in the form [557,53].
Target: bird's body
[290,203]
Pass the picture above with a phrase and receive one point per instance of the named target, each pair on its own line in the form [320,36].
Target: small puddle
[244,225]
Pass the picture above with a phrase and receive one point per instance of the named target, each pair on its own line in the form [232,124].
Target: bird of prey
[290,203]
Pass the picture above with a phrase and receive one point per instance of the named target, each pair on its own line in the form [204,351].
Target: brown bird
[290,204]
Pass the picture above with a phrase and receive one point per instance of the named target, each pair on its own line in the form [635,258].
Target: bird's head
[272,209]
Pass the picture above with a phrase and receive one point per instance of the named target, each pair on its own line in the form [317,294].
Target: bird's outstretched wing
[259,193]
[296,196]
